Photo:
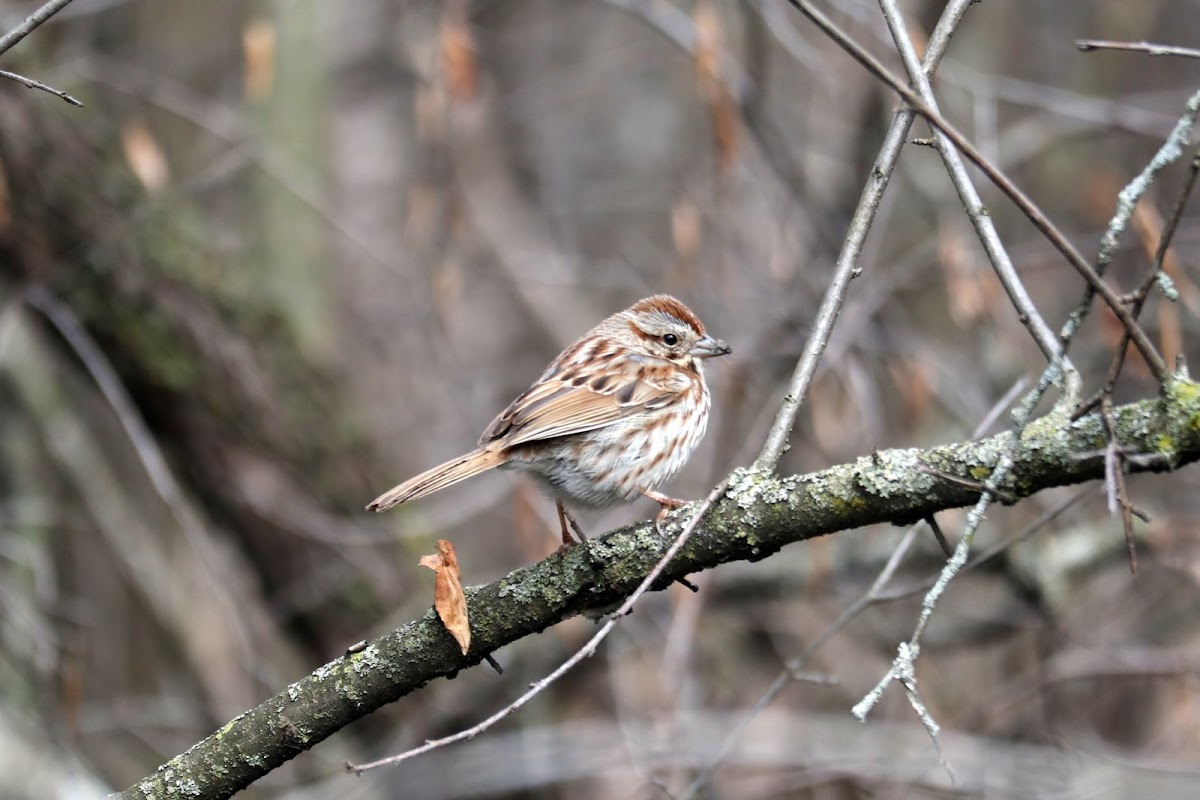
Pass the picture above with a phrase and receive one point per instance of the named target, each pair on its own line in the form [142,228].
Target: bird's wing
[574,400]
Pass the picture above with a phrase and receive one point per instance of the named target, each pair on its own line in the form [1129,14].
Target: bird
[612,418]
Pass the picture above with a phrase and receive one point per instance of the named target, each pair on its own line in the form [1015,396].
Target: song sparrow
[613,417]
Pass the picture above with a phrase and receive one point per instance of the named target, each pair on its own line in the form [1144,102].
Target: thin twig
[903,593]
[1088,45]
[846,268]
[1127,199]
[985,228]
[936,530]
[1080,112]
[32,84]
[968,483]
[785,510]
[873,595]
[792,667]
[906,673]
[1031,210]
[1114,481]
[1154,275]
[152,459]
[677,25]
[1021,417]
[584,652]
[781,28]
[98,366]
[1000,405]
[31,22]
[903,667]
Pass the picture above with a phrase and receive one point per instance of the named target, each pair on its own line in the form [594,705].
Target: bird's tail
[439,477]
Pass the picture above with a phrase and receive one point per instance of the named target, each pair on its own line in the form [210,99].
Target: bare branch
[787,675]
[1043,223]
[1154,275]
[1114,482]
[996,549]
[31,23]
[906,672]
[1088,45]
[846,268]
[32,84]
[146,446]
[874,594]
[1095,285]
[1027,312]
[90,354]
[586,651]
[758,515]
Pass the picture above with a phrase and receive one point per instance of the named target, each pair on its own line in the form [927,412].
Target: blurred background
[293,252]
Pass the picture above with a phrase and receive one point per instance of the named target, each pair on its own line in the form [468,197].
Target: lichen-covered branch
[758,515]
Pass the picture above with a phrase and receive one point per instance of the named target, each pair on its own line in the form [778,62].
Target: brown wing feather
[573,401]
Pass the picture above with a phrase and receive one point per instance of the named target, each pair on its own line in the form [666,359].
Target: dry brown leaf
[687,233]
[918,34]
[459,65]
[1099,195]
[971,292]
[725,128]
[708,43]
[914,382]
[143,154]
[258,55]
[835,415]
[448,598]
[686,229]
[710,51]
[1148,224]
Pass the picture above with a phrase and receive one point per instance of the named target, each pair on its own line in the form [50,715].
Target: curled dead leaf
[144,155]
[709,44]
[449,600]
[258,57]
[687,229]
[460,69]
[709,53]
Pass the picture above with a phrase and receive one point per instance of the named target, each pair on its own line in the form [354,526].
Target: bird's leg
[564,517]
[667,503]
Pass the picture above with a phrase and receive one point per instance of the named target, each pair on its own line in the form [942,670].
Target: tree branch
[756,517]
[1087,45]
[30,83]
[847,265]
[31,23]
[1091,276]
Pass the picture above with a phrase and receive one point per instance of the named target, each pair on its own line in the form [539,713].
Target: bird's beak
[708,347]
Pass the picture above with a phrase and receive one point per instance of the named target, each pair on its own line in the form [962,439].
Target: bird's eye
[670,339]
